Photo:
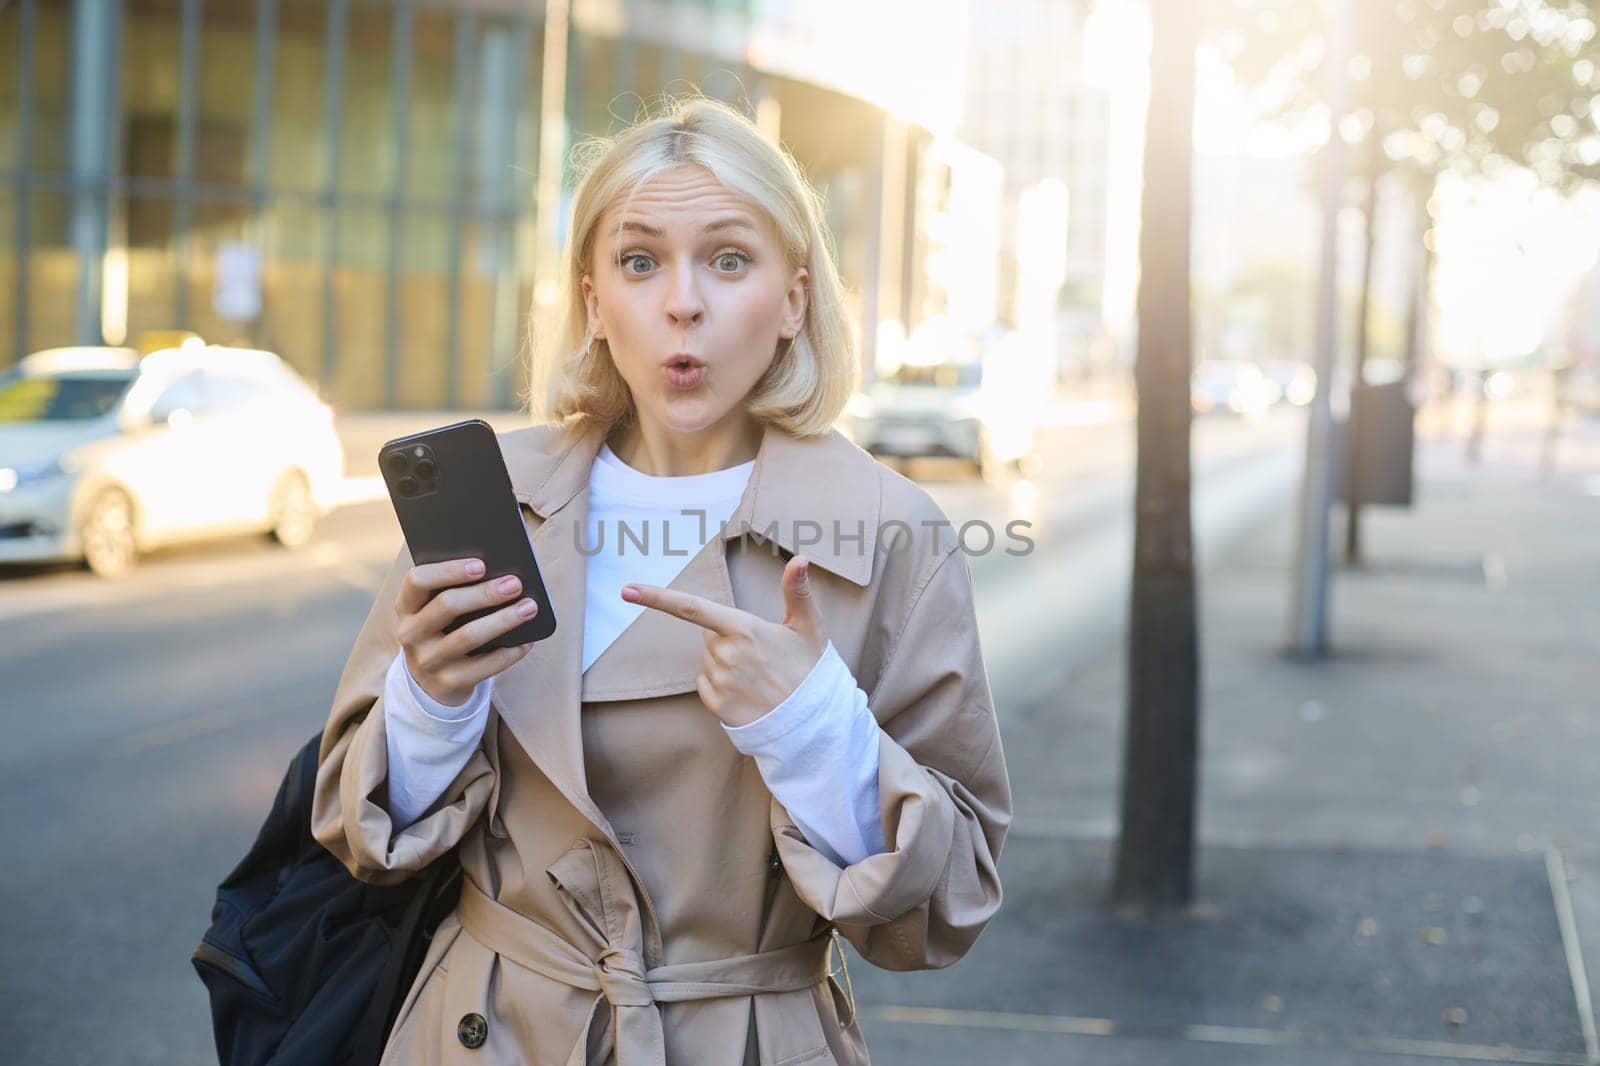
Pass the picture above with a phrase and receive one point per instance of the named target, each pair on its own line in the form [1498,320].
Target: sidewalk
[1398,858]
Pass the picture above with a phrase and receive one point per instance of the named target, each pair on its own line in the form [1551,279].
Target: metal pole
[1308,635]
[92,50]
[24,186]
[552,156]
[400,122]
[333,129]
[188,118]
[461,118]
[258,162]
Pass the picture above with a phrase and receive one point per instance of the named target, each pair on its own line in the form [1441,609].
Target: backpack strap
[435,898]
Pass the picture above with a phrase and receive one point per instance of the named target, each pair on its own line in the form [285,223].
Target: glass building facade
[350,183]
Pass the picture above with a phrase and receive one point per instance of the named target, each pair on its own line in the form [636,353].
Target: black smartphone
[453,498]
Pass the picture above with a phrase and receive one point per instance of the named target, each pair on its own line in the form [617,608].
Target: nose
[684,305]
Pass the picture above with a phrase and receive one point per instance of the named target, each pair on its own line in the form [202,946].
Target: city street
[151,720]
[1297,777]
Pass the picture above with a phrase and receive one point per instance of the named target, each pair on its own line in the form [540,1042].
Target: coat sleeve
[943,794]
[348,813]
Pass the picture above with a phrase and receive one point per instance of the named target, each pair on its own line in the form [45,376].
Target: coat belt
[595,885]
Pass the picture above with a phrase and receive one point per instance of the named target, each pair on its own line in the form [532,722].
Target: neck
[657,450]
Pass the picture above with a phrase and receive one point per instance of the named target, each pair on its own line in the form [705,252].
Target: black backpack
[304,963]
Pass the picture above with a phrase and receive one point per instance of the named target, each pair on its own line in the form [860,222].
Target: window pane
[722,81]
[152,36]
[52,58]
[597,66]
[425,312]
[648,69]
[367,162]
[299,77]
[479,270]
[431,134]
[10,99]
[152,266]
[211,313]
[52,271]
[523,108]
[360,292]
[291,304]
[187,393]
[227,86]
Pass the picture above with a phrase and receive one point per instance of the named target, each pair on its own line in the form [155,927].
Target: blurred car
[940,409]
[1290,382]
[105,452]
[1230,385]
[153,340]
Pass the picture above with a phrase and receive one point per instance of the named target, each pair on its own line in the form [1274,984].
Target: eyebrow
[715,225]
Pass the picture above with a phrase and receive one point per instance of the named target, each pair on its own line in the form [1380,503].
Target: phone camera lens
[397,462]
[407,486]
[425,469]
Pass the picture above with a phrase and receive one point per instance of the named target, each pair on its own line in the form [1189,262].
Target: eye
[731,262]
[629,263]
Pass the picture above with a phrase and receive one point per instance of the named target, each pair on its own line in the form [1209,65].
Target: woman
[724,755]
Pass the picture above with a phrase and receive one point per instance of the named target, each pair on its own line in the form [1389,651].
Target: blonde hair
[810,379]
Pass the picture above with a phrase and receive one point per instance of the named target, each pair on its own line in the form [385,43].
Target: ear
[794,306]
[591,301]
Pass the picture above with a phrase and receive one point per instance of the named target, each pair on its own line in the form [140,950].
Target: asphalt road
[149,721]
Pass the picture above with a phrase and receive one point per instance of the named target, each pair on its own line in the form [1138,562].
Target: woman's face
[693,294]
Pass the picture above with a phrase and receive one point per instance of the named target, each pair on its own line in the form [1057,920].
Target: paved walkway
[1399,861]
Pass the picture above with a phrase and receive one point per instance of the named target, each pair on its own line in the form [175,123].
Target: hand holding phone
[453,497]
[440,655]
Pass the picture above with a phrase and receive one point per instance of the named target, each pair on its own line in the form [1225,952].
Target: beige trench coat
[633,892]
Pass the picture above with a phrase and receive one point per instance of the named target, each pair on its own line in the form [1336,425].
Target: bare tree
[1155,855]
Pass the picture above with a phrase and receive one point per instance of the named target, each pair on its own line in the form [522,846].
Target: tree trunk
[1155,855]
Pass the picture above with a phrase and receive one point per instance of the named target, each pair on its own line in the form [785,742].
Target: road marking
[1557,869]
[1105,831]
[1214,1034]
[982,1019]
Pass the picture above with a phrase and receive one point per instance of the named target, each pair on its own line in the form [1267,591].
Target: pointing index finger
[708,614]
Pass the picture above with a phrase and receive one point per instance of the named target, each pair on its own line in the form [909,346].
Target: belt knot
[622,978]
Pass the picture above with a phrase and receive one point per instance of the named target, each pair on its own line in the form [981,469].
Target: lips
[683,371]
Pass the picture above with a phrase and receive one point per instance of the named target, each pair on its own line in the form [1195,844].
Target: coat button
[774,866]
[472,1031]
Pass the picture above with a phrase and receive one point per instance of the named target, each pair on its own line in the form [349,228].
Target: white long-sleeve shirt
[817,751]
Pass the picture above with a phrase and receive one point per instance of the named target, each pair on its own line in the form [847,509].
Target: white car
[1236,387]
[943,409]
[105,453]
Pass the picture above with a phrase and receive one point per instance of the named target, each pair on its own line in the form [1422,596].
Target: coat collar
[809,494]
[799,492]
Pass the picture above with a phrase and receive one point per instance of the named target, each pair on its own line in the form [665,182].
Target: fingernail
[507,584]
[526,608]
[474,568]
[630,592]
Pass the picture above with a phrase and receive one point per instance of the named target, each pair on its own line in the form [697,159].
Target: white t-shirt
[817,751]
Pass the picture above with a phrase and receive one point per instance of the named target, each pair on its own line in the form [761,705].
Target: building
[1056,92]
[355,183]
